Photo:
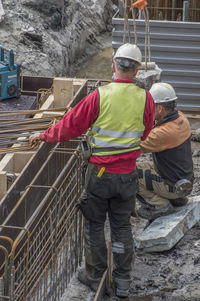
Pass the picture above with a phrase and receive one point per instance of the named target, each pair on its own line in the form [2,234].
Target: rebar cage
[50,249]
[42,235]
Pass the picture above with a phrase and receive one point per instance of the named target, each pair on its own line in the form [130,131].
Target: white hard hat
[129,51]
[162,92]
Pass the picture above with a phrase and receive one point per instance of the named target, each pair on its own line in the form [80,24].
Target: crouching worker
[165,182]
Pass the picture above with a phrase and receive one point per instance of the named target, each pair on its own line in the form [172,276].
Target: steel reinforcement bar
[44,262]
[42,202]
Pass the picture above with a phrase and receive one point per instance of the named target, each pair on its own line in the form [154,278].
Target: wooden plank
[3,183]
[63,91]
[102,286]
[20,159]
[6,164]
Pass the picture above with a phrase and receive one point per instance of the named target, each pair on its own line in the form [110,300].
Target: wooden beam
[63,91]
[102,286]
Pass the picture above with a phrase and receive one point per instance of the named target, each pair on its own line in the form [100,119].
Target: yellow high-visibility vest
[120,124]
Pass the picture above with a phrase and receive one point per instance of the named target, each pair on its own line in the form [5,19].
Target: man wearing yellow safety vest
[120,115]
[165,183]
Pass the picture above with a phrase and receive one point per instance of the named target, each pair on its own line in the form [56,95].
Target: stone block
[164,232]
[145,79]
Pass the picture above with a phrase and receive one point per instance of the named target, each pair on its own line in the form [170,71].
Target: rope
[134,22]
[142,5]
[146,14]
[126,23]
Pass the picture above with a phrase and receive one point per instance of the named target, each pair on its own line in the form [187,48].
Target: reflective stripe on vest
[119,125]
[116,134]
[109,144]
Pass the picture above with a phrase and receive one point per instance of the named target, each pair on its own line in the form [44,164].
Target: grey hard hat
[129,51]
[162,92]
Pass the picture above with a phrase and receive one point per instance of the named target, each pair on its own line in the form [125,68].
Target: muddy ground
[172,275]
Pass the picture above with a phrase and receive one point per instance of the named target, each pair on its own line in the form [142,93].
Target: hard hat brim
[127,57]
[165,100]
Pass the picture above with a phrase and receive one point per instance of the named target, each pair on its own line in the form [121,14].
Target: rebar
[49,255]
[31,112]
[13,129]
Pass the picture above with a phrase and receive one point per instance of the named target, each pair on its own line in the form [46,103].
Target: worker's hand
[34,139]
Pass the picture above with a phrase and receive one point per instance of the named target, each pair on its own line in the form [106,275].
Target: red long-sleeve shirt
[82,116]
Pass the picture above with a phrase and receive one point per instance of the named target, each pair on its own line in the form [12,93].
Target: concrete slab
[164,232]
[145,79]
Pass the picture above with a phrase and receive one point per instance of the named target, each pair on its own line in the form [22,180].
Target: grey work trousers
[111,194]
[152,187]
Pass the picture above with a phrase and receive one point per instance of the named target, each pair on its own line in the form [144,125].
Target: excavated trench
[170,275]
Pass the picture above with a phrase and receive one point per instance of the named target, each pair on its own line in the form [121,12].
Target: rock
[145,79]
[164,232]
[190,292]
[2,12]
[56,20]
[67,27]
[33,36]
[30,29]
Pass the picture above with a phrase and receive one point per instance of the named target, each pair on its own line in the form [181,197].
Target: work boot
[121,287]
[153,213]
[179,202]
[92,283]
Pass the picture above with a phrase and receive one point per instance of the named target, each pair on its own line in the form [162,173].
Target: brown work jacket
[169,142]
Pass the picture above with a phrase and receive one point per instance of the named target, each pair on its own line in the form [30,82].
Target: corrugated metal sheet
[175,47]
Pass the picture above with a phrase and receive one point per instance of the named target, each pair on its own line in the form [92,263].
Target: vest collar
[121,80]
